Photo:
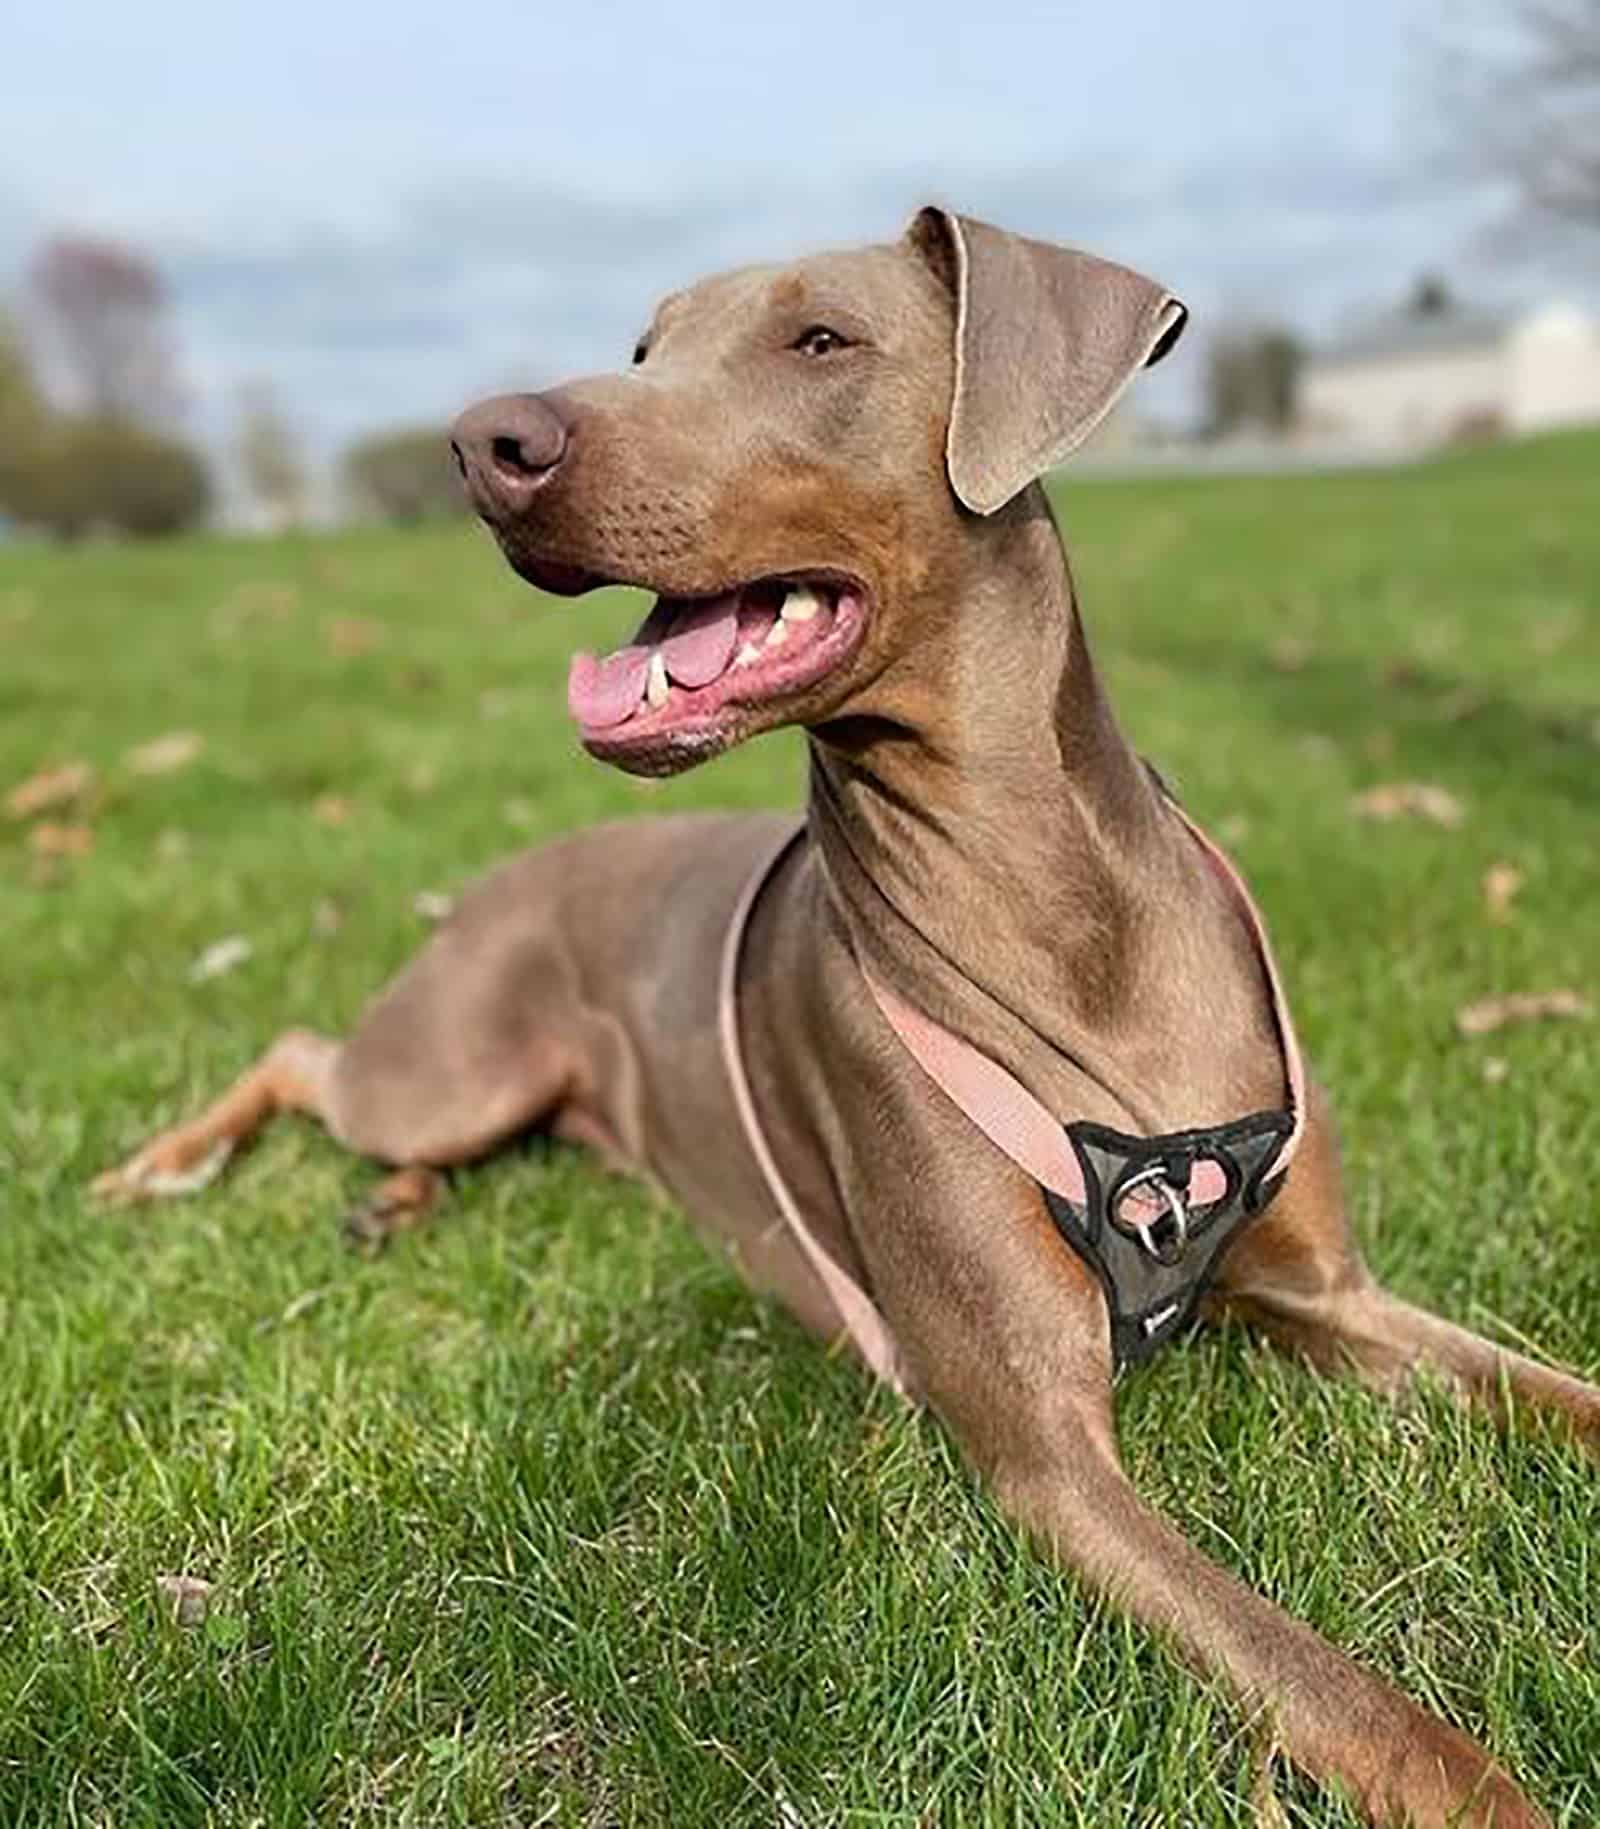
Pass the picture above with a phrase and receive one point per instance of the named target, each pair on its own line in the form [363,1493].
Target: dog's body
[979,837]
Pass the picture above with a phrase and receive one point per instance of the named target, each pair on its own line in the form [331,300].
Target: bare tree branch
[1524,102]
[104,314]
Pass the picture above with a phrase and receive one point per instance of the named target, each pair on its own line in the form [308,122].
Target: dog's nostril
[508,453]
[504,447]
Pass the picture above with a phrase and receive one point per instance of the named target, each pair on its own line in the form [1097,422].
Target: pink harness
[1150,1216]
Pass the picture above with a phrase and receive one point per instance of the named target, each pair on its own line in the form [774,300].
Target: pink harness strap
[1001,1107]
[1022,1128]
[862,1321]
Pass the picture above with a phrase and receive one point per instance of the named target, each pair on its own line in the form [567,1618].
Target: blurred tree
[269,456]
[1251,381]
[1523,104]
[23,417]
[135,480]
[108,464]
[38,486]
[84,475]
[19,394]
[103,312]
[406,476]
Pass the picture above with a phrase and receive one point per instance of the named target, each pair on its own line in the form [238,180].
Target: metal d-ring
[1166,1251]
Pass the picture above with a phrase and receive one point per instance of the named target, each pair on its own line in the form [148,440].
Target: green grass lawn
[541,1518]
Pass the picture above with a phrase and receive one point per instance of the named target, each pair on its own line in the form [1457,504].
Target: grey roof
[1419,333]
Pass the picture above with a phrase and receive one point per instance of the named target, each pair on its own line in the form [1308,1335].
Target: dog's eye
[819,340]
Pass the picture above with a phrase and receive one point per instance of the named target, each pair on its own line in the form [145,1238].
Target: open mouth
[697,662]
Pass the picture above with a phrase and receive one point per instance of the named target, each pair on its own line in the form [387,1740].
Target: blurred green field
[541,1519]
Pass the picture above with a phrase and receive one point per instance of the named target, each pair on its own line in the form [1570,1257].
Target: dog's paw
[163,1170]
[368,1226]
[398,1202]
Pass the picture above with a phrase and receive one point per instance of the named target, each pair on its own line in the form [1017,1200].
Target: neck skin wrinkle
[1000,856]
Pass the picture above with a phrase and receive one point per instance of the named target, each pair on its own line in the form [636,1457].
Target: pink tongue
[601,693]
[702,641]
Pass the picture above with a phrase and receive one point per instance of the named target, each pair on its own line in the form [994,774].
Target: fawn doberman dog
[984,1068]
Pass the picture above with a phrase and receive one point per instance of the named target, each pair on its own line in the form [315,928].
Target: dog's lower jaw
[669,752]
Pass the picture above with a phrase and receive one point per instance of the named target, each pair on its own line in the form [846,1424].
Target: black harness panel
[1153,1250]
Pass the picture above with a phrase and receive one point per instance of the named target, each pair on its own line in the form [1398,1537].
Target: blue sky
[384,209]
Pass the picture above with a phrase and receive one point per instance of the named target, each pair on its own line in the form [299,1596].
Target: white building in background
[1428,377]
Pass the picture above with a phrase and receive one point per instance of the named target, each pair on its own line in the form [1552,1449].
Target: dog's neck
[1034,882]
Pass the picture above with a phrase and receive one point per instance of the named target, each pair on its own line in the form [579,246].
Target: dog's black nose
[506,448]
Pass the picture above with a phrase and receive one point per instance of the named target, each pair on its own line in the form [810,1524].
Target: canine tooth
[800,606]
[747,656]
[777,634]
[655,685]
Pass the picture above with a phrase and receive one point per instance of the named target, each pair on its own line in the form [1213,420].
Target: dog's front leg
[1005,1332]
[1333,1719]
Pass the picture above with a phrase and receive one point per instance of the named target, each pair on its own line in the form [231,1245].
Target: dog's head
[799,461]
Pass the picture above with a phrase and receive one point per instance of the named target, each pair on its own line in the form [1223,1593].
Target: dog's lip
[707,715]
[561,578]
[558,578]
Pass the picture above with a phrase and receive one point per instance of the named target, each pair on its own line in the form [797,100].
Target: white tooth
[800,606]
[778,633]
[655,685]
[747,656]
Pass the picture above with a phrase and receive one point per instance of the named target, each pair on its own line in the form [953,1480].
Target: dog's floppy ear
[1046,341]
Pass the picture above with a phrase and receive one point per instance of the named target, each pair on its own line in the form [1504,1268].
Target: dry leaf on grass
[333,809]
[1409,799]
[47,839]
[220,957]
[162,755]
[430,905]
[51,787]
[1500,885]
[352,635]
[1289,654]
[1495,1069]
[1491,1013]
[190,1597]
[1465,702]
[1404,675]
[326,918]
